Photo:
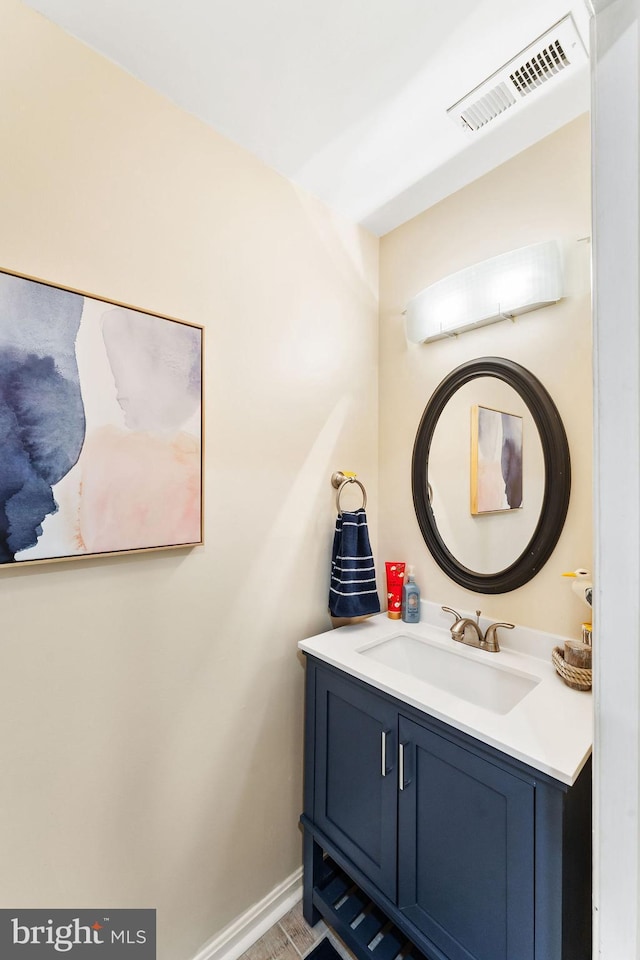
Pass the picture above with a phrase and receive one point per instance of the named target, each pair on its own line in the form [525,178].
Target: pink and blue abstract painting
[496,461]
[100,426]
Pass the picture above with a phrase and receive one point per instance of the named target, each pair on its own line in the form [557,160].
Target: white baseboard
[243,932]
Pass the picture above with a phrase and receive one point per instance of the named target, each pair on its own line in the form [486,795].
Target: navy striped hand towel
[353,590]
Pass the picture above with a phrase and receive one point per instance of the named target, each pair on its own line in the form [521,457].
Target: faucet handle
[450,610]
[491,636]
[458,626]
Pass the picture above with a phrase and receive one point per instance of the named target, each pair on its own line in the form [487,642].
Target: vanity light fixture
[497,289]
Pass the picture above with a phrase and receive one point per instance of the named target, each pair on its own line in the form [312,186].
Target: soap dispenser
[411,599]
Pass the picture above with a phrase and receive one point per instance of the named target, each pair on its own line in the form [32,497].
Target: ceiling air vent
[557,51]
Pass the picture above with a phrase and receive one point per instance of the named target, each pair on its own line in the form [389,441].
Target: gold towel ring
[340,480]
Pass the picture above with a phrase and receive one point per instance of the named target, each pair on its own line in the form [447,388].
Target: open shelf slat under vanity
[362,926]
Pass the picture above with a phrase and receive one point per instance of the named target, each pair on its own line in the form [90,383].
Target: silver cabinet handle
[386,752]
[405,764]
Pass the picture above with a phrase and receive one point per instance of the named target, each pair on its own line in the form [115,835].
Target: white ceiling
[347,98]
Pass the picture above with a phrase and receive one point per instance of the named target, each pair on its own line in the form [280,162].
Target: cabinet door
[466,854]
[356,776]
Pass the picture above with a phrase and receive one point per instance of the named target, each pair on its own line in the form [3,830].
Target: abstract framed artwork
[496,461]
[100,426]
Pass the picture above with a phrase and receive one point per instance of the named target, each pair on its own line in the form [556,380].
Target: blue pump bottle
[410,599]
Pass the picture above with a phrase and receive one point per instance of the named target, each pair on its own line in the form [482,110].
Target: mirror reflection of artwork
[496,461]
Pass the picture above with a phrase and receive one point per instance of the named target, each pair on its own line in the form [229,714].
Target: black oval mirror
[555,491]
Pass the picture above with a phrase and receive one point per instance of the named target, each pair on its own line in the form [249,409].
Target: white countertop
[550,728]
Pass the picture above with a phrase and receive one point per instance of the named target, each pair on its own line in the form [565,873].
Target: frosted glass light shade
[495,289]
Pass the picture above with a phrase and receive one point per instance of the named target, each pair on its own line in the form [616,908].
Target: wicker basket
[576,677]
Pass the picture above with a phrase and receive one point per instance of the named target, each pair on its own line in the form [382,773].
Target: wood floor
[292,938]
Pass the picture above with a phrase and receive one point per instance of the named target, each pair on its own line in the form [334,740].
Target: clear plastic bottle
[411,599]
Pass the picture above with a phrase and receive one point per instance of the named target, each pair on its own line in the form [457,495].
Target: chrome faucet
[466,630]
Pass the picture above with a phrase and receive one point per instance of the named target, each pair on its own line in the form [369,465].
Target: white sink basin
[486,685]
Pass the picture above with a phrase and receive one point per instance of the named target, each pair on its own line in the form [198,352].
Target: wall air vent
[557,51]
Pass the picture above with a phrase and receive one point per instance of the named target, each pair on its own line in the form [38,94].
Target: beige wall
[541,194]
[150,706]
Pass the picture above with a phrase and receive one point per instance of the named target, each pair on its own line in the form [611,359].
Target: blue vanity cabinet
[465,849]
[417,833]
[355,797]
